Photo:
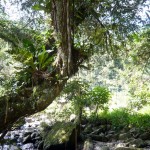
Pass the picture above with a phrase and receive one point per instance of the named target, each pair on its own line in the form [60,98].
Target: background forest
[83,64]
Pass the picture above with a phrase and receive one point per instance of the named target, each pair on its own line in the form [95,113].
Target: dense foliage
[51,41]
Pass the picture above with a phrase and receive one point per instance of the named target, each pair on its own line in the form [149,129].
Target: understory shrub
[122,117]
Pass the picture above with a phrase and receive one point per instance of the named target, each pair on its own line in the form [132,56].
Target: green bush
[119,118]
[122,117]
[99,96]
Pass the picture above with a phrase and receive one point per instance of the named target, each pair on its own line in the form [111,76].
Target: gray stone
[121,145]
[28,146]
[104,148]
[27,139]
[34,134]
[108,127]
[137,143]
[145,136]
[125,148]
[100,137]
[9,147]
[109,136]
[40,145]
[28,120]
[147,142]
[124,136]
[97,131]
[111,132]
[88,129]
[88,145]
[135,132]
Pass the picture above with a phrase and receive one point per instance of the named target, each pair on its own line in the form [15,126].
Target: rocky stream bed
[97,136]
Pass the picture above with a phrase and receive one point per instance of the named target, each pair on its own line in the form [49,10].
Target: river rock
[121,145]
[40,145]
[88,129]
[104,148]
[125,148]
[27,139]
[29,146]
[124,136]
[88,145]
[137,143]
[61,135]
[145,136]
[147,142]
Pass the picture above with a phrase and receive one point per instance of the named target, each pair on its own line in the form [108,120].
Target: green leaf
[38,7]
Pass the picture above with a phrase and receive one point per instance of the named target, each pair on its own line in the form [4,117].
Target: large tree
[76,29]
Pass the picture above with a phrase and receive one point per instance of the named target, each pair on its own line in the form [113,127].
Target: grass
[122,117]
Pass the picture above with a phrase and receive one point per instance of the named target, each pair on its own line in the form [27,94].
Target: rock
[139,143]
[100,137]
[124,136]
[110,137]
[88,129]
[27,146]
[19,140]
[9,147]
[27,133]
[84,121]
[108,127]
[103,128]
[129,140]
[27,139]
[135,132]
[104,148]
[29,130]
[28,120]
[97,131]
[147,142]
[125,148]
[145,136]
[38,138]
[61,134]
[103,121]
[121,145]
[88,145]
[111,132]
[40,145]
[34,134]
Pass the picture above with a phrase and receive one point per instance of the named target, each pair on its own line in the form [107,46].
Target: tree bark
[26,103]
[61,21]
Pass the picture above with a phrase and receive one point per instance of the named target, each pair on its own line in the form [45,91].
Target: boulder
[27,146]
[40,145]
[137,143]
[124,136]
[121,145]
[126,148]
[27,139]
[104,148]
[34,134]
[100,137]
[61,135]
[145,136]
[88,145]
[147,142]
[88,129]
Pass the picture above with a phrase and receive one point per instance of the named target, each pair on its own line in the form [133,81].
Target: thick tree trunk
[35,99]
[26,103]
[61,20]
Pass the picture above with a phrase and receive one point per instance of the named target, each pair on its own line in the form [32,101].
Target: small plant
[99,96]
[81,96]
[76,91]
[119,118]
